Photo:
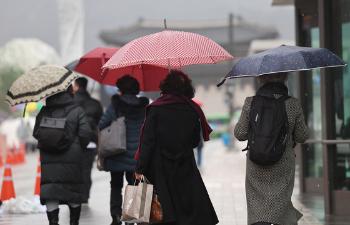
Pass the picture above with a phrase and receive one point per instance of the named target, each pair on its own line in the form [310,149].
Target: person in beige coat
[269,188]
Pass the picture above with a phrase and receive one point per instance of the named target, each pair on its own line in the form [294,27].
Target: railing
[327,142]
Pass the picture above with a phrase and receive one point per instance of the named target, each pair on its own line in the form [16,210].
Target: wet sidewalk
[223,173]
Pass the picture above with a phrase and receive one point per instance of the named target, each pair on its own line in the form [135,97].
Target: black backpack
[52,135]
[268,127]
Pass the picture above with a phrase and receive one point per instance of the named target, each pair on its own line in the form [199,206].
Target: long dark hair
[177,83]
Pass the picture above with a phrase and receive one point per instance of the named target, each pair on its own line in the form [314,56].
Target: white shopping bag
[137,203]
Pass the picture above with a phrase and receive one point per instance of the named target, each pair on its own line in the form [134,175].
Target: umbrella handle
[24,110]
[165,26]
[221,82]
[104,71]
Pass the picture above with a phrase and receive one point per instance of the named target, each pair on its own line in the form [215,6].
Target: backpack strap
[116,106]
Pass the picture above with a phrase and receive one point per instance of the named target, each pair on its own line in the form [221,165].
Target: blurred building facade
[325,96]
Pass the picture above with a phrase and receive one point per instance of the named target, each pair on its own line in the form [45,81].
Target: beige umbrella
[39,83]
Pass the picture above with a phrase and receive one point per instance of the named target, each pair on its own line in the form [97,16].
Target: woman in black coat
[165,157]
[61,178]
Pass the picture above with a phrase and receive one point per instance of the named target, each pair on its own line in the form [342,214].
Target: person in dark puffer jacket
[133,108]
[61,178]
[93,111]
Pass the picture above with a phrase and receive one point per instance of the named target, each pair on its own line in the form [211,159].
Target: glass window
[342,89]
[342,107]
[342,167]
[313,154]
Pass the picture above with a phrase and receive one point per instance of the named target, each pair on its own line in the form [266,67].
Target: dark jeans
[117,180]
[88,161]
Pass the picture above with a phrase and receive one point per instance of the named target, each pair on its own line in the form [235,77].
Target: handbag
[137,203]
[156,210]
[113,139]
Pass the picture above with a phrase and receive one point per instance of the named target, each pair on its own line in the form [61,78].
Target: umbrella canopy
[91,64]
[39,83]
[148,76]
[284,59]
[172,49]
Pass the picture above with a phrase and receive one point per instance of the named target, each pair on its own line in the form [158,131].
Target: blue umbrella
[283,59]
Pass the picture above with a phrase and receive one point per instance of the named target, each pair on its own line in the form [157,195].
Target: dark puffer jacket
[133,108]
[92,108]
[61,178]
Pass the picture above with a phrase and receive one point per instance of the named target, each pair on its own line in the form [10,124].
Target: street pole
[229,91]
[229,85]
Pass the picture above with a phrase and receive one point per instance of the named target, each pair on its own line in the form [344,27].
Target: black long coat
[61,174]
[167,160]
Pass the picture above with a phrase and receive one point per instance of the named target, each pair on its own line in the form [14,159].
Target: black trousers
[117,181]
[88,162]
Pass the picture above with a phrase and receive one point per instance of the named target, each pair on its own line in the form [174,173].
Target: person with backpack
[63,132]
[272,122]
[93,111]
[128,105]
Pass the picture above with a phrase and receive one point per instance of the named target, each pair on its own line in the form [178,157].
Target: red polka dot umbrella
[170,49]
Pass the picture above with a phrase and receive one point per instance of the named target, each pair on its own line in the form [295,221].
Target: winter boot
[74,215]
[53,217]
[116,220]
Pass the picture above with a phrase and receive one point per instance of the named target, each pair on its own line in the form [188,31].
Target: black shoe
[74,215]
[116,220]
[53,217]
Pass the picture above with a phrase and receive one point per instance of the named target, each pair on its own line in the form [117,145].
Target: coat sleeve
[107,118]
[242,127]
[99,112]
[37,123]
[301,133]
[85,132]
[197,136]
[148,142]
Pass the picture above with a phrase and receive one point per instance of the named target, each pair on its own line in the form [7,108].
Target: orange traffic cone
[1,161]
[16,156]
[2,149]
[22,153]
[8,188]
[10,159]
[37,179]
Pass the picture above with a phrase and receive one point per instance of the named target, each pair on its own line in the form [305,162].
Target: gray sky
[38,18]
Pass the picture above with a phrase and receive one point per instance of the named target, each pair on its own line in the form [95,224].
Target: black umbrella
[283,59]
